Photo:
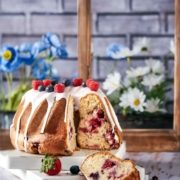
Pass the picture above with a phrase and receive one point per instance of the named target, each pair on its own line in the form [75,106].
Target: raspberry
[59,88]
[100,113]
[47,82]
[88,81]
[108,164]
[77,82]
[93,85]
[36,84]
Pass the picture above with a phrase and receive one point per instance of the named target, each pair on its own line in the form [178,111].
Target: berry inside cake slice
[105,166]
[96,131]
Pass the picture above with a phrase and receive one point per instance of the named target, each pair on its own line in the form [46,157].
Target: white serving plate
[14,159]
[36,175]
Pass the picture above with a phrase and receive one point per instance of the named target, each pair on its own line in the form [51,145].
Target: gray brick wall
[122,21]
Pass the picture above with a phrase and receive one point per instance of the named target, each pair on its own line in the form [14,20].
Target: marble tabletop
[165,165]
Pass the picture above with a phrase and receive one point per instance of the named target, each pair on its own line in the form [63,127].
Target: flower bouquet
[140,93]
[24,63]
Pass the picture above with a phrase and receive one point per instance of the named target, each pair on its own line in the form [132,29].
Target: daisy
[124,100]
[155,66]
[152,105]
[136,72]
[152,80]
[136,99]
[112,82]
[133,98]
[141,45]
[118,51]
[172,47]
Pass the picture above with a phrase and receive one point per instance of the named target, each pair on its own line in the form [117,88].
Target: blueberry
[50,88]
[41,88]
[84,84]
[74,169]
[154,178]
[67,82]
[54,83]
[95,176]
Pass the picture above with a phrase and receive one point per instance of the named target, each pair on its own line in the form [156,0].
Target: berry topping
[50,88]
[59,88]
[108,164]
[41,88]
[54,83]
[154,178]
[51,165]
[67,82]
[74,169]
[47,82]
[36,84]
[100,113]
[95,176]
[84,84]
[93,85]
[77,82]
[88,81]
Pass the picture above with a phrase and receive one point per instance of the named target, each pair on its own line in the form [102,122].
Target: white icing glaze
[36,98]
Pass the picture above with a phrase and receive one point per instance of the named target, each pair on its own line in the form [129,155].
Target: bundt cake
[105,166]
[55,118]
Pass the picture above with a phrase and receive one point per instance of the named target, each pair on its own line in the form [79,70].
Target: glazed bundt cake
[105,166]
[55,118]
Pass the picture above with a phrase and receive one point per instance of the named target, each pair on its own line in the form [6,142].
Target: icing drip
[39,99]
[50,100]
[26,102]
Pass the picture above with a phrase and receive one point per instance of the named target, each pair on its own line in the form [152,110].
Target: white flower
[136,72]
[152,105]
[172,47]
[133,98]
[152,80]
[142,44]
[112,82]
[124,100]
[155,66]
[118,51]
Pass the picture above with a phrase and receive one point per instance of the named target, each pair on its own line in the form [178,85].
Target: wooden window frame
[136,139]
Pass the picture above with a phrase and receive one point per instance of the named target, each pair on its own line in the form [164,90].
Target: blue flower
[9,59]
[41,69]
[25,53]
[51,39]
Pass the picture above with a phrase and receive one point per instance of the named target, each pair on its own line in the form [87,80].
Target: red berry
[51,165]
[47,82]
[108,164]
[59,88]
[36,84]
[93,85]
[88,81]
[77,82]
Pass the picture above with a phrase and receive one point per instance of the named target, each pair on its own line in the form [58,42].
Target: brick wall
[122,21]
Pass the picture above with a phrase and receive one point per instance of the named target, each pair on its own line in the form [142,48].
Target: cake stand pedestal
[14,159]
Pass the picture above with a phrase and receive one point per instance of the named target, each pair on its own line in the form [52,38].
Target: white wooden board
[14,159]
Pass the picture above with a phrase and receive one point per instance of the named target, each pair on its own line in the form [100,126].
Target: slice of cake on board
[105,166]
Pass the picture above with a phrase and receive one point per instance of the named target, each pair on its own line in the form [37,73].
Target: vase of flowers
[139,95]
[27,61]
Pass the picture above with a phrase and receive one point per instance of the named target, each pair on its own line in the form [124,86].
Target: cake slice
[105,166]
[98,127]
